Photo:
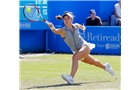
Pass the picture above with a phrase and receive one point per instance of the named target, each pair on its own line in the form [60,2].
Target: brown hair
[59,17]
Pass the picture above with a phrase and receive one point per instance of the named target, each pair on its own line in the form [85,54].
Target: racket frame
[29,4]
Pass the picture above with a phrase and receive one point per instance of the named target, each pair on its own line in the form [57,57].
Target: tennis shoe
[68,79]
[109,69]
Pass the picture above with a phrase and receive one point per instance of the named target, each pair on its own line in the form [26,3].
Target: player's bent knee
[75,58]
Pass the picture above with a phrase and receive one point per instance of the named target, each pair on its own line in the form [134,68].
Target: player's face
[67,20]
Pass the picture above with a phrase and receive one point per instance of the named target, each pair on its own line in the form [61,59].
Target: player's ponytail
[58,17]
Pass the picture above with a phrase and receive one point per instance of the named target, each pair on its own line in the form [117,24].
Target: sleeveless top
[73,39]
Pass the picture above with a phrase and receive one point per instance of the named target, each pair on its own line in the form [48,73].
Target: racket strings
[33,14]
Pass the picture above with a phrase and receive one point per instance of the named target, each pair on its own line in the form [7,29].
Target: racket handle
[46,21]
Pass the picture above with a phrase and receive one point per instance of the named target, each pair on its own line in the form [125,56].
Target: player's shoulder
[76,25]
[64,28]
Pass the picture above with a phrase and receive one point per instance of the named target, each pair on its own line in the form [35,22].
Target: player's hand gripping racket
[32,13]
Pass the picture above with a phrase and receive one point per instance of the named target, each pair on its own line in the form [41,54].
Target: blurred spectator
[93,20]
[116,17]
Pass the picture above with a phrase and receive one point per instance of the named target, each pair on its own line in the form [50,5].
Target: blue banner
[107,39]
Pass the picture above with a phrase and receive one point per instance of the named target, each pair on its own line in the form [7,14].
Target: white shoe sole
[66,79]
[112,72]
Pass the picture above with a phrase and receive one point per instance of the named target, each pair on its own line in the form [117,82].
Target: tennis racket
[32,13]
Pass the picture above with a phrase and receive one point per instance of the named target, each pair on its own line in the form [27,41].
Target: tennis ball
[28,9]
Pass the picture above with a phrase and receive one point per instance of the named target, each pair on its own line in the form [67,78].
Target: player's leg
[82,53]
[90,60]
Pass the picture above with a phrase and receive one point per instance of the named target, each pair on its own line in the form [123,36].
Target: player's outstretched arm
[54,30]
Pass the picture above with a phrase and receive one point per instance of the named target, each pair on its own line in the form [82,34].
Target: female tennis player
[80,48]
